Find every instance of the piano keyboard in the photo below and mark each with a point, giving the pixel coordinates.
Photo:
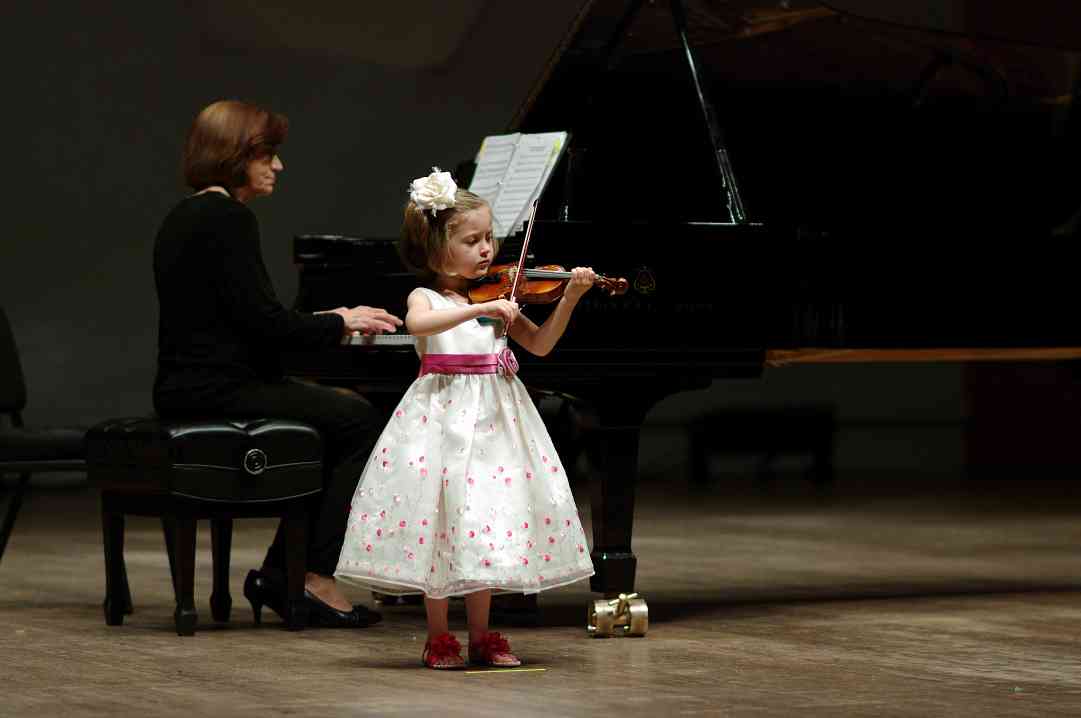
(379, 340)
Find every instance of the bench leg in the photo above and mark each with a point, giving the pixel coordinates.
(822, 466)
(221, 541)
(765, 474)
(117, 594)
(699, 459)
(14, 504)
(125, 591)
(168, 531)
(296, 559)
(185, 616)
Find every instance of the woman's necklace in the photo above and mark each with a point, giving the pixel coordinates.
(213, 188)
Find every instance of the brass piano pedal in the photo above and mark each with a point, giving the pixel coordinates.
(626, 615)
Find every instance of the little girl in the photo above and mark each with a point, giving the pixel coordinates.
(464, 492)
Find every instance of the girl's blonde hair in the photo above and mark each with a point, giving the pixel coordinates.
(425, 239)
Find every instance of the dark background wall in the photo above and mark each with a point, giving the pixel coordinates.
(99, 99)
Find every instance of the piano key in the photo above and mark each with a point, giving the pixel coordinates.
(379, 340)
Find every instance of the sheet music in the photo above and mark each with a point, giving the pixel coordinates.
(493, 159)
(511, 171)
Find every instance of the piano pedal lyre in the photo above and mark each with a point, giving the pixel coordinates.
(626, 615)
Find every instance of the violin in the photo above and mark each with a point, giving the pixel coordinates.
(541, 285)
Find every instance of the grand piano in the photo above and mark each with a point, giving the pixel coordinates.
(780, 182)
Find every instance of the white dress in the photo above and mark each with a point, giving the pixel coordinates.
(464, 490)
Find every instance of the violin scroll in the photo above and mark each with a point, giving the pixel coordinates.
(613, 285)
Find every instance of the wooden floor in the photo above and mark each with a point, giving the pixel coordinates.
(920, 600)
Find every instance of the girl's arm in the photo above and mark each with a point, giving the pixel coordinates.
(421, 320)
(541, 340)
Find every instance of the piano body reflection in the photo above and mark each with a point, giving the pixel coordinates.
(779, 182)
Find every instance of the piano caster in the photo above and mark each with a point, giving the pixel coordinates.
(627, 615)
(382, 599)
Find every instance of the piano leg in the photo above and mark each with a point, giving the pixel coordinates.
(613, 453)
(612, 447)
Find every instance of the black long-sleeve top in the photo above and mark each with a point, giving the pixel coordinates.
(220, 324)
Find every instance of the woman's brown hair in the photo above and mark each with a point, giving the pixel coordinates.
(224, 138)
(424, 240)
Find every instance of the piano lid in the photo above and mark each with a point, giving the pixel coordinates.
(1026, 50)
(853, 112)
(1044, 23)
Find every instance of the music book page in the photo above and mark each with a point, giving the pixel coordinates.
(493, 158)
(511, 171)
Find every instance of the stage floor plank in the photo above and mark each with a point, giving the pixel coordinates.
(960, 602)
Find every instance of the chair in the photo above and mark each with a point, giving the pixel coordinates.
(185, 470)
(28, 450)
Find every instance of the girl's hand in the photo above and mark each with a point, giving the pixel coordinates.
(503, 309)
(582, 278)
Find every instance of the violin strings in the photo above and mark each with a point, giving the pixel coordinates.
(550, 274)
(546, 274)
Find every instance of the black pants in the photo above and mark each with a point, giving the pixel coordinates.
(350, 426)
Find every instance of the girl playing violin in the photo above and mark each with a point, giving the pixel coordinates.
(464, 492)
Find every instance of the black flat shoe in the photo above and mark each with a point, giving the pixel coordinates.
(325, 616)
(261, 590)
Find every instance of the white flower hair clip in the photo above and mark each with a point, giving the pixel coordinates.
(434, 192)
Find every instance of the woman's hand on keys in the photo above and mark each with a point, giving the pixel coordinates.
(368, 320)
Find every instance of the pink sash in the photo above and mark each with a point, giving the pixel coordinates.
(502, 363)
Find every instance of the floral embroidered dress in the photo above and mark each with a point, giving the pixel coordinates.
(464, 490)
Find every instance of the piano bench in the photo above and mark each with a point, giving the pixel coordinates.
(807, 429)
(216, 469)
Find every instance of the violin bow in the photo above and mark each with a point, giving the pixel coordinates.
(525, 250)
(521, 258)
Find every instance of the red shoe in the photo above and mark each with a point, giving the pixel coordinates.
(443, 652)
(493, 651)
